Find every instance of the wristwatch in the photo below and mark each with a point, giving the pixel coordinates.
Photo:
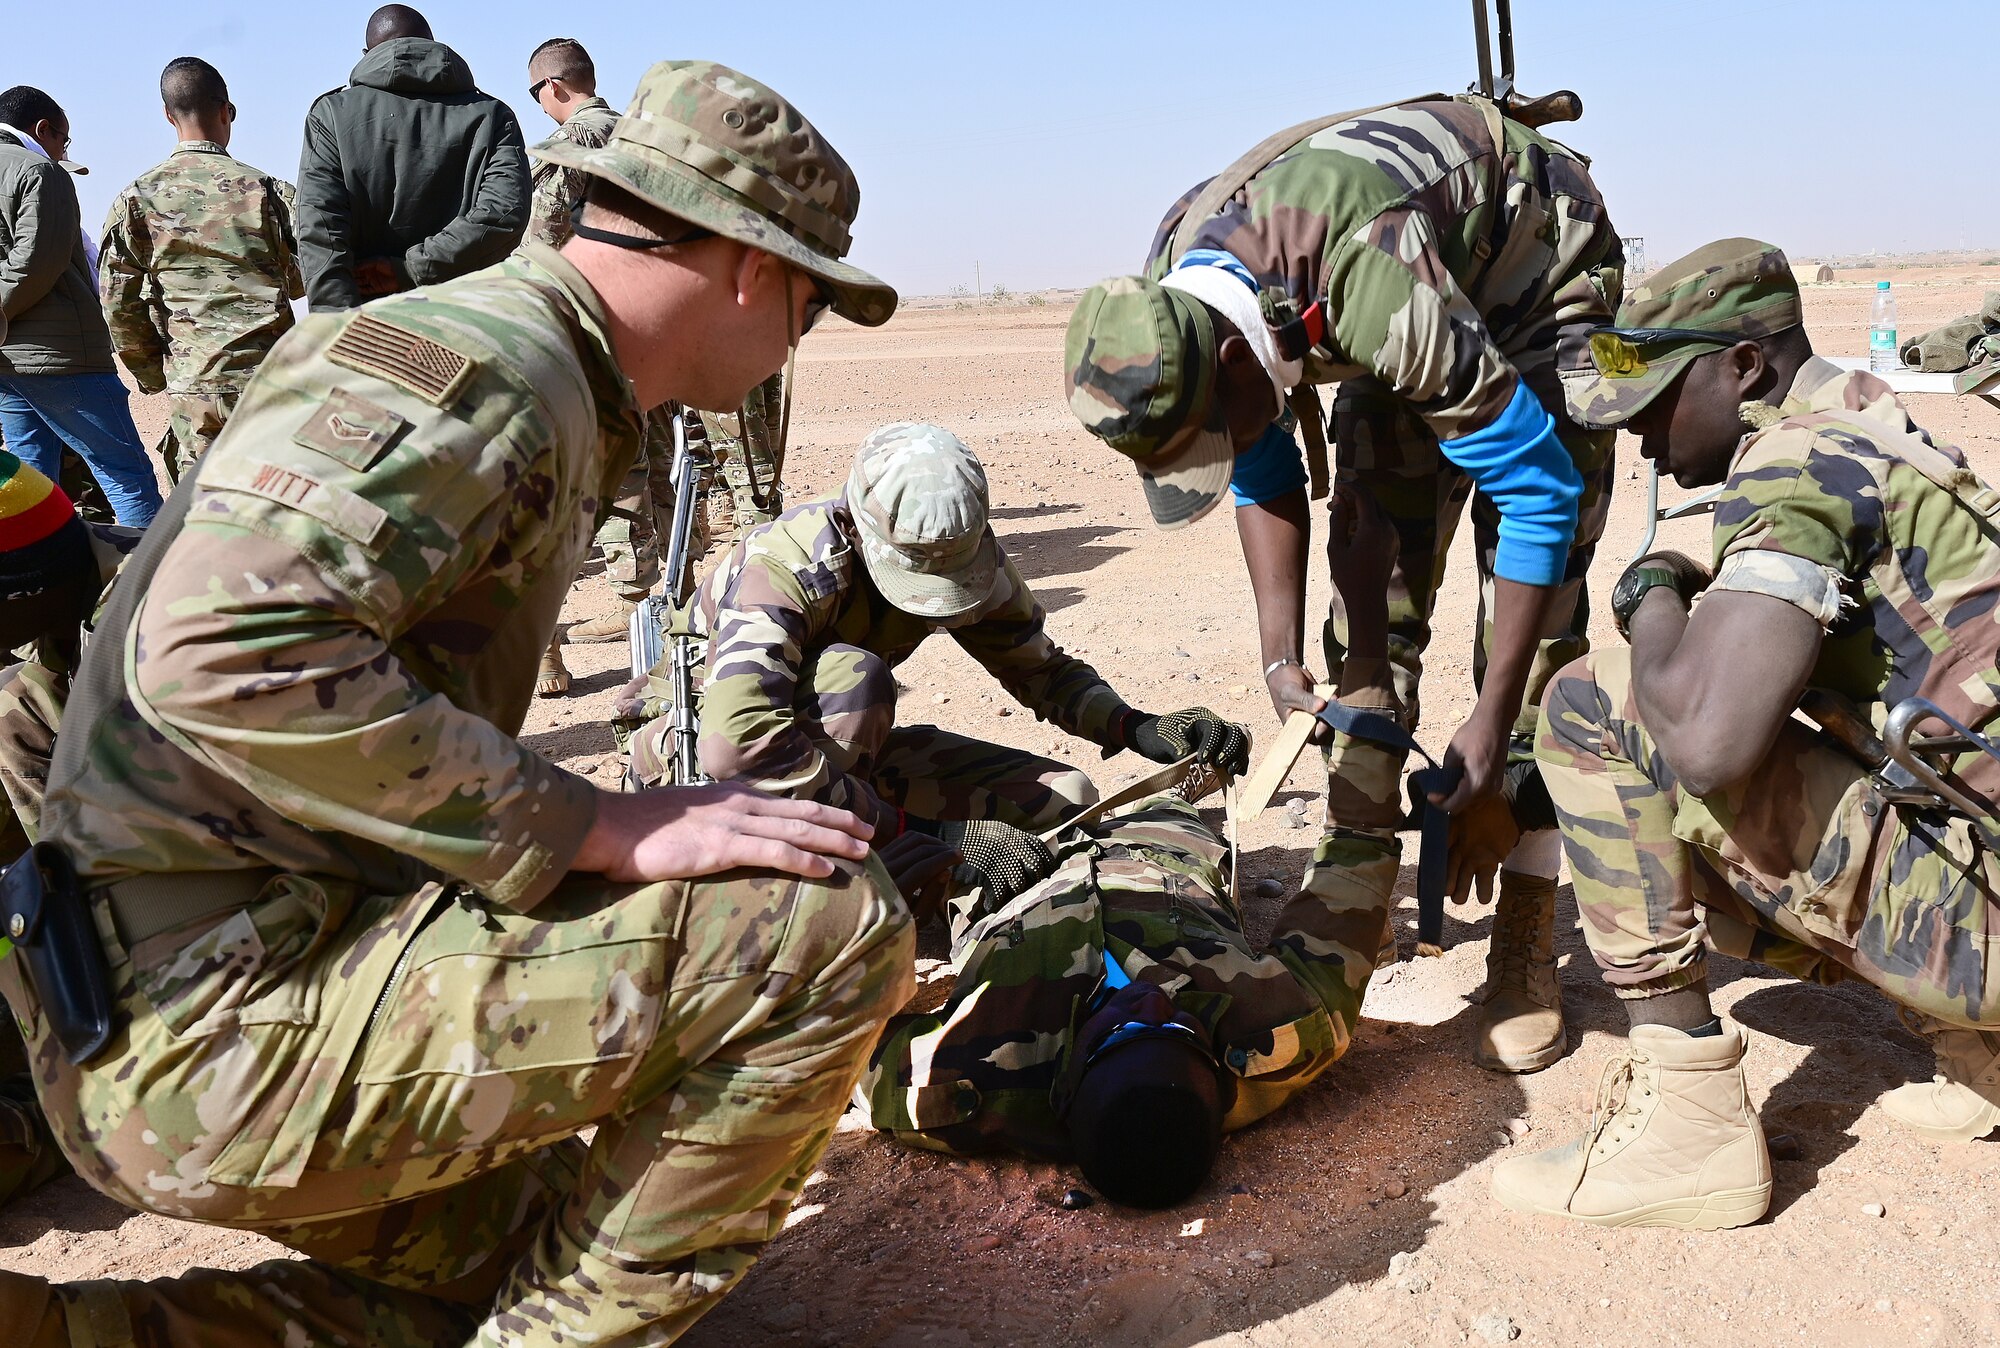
(1632, 587)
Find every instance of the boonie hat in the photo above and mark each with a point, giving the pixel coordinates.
(918, 497)
(1726, 292)
(1140, 362)
(716, 148)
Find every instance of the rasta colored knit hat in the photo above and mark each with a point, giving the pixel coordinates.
(42, 542)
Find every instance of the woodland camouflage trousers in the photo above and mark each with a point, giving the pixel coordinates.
(1802, 866)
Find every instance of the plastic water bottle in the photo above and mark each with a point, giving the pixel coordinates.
(1882, 354)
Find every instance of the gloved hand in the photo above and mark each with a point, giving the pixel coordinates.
(1197, 730)
(1483, 835)
(1006, 860)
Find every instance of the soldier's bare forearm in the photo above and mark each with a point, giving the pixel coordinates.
(1275, 535)
(1714, 687)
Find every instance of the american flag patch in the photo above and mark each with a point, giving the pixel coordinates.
(409, 360)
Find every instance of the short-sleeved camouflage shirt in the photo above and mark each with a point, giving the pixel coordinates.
(1851, 511)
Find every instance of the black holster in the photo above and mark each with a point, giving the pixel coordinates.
(45, 914)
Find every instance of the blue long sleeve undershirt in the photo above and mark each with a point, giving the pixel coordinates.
(1517, 461)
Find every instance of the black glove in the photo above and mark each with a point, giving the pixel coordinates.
(1002, 858)
(1214, 742)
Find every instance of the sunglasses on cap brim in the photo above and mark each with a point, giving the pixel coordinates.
(1619, 353)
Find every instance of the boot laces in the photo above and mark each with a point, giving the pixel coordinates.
(1512, 948)
(1622, 1099)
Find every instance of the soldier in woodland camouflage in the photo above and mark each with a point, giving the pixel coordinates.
(1853, 554)
(808, 615)
(197, 267)
(376, 962)
(563, 80)
(749, 460)
(1442, 264)
(1137, 925)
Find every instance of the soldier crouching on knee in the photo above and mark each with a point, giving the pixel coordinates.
(346, 963)
(807, 615)
(1852, 554)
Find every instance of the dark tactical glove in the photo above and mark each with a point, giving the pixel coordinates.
(998, 856)
(1215, 742)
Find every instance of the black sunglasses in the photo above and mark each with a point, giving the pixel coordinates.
(535, 89)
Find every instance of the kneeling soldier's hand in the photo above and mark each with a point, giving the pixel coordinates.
(1005, 859)
(1215, 742)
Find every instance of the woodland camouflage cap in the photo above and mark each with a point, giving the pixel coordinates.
(919, 501)
(719, 150)
(1738, 288)
(1140, 361)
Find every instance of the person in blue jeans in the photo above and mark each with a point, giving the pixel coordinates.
(58, 386)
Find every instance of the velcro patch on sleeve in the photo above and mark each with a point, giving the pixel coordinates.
(409, 360)
(350, 428)
(351, 516)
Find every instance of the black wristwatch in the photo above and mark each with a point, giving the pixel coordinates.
(1632, 587)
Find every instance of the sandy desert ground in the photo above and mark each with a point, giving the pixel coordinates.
(1360, 1214)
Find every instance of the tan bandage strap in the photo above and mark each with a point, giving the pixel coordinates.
(1808, 586)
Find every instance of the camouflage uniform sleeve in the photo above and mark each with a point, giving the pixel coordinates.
(1012, 641)
(282, 638)
(1797, 521)
(768, 613)
(1398, 313)
(283, 204)
(138, 326)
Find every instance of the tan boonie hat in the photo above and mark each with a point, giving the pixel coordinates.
(918, 497)
(1736, 289)
(719, 150)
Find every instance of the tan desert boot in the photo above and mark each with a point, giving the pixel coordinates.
(613, 626)
(1673, 1142)
(1962, 1102)
(1520, 1026)
(553, 678)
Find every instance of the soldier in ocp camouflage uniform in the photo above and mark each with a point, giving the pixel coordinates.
(375, 963)
(749, 459)
(1853, 554)
(196, 267)
(808, 615)
(1441, 262)
(563, 80)
(53, 570)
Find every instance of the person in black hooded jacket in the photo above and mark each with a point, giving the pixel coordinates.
(410, 175)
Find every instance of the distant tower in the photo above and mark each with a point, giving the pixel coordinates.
(1635, 256)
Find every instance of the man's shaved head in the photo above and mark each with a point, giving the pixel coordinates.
(190, 87)
(393, 21)
(563, 58)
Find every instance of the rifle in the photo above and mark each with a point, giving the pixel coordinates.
(1562, 106)
(649, 621)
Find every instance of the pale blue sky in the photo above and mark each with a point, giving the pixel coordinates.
(1044, 140)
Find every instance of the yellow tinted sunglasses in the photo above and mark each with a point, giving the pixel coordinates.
(1619, 353)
